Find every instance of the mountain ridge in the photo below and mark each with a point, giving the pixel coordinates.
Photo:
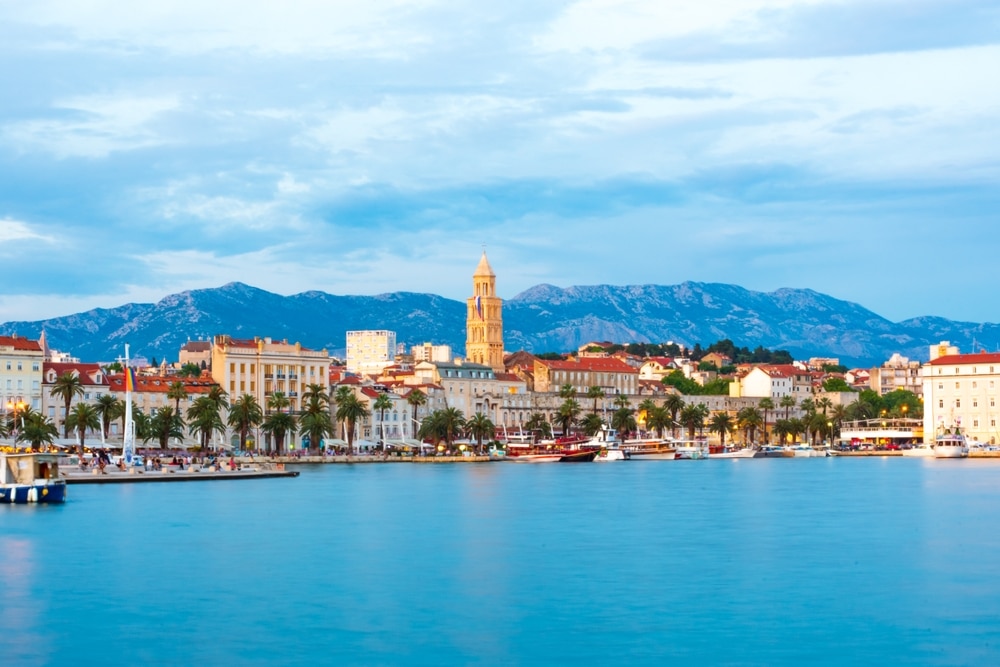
(539, 319)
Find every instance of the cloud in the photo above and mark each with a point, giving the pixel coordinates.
(15, 230)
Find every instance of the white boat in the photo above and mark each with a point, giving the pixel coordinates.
(803, 450)
(611, 454)
(950, 445)
(691, 449)
(746, 453)
(921, 450)
(772, 452)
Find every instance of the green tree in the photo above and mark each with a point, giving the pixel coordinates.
(244, 415)
(35, 429)
(684, 385)
(722, 424)
(190, 369)
(596, 393)
(674, 405)
(479, 426)
(538, 424)
(568, 413)
(782, 429)
(204, 418)
(749, 419)
(381, 404)
(416, 398)
(166, 424)
(693, 418)
(592, 424)
(67, 386)
(315, 422)
(350, 410)
(787, 402)
(623, 421)
(108, 409)
(567, 391)
(658, 419)
(83, 417)
(278, 425)
(836, 385)
(176, 393)
(444, 425)
(766, 405)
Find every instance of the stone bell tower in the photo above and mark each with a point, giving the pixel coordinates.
(484, 322)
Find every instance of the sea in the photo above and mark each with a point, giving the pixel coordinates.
(830, 561)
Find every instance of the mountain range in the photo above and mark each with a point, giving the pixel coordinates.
(543, 318)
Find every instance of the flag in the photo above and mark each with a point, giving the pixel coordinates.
(479, 306)
(129, 379)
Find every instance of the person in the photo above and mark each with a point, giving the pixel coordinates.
(232, 463)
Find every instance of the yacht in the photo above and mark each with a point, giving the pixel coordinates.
(951, 445)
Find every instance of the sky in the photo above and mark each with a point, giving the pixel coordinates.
(847, 146)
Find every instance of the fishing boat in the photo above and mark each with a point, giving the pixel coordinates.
(951, 445)
(31, 478)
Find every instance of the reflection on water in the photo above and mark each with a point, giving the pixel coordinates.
(739, 562)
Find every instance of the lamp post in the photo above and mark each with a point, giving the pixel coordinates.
(15, 407)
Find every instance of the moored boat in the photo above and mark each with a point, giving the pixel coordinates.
(746, 453)
(772, 452)
(922, 449)
(611, 454)
(951, 445)
(31, 478)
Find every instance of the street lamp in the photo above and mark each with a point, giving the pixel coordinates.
(15, 407)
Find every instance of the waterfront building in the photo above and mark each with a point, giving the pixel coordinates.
(21, 362)
(897, 373)
(370, 351)
(960, 390)
(150, 395)
(262, 366)
(484, 319)
(774, 381)
(93, 382)
(476, 388)
(612, 375)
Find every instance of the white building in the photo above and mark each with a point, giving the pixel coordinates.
(438, 354)
(960, 390)
(368, 352)
(20, 373)
(774, 382)
(897, 373)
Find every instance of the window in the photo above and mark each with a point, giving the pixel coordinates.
(19, 365)
(975, 402)
(975, 423)
(940, 385)
(941, 403)
(975, 384)
(958, 402)
(958, 385)
(34, 366)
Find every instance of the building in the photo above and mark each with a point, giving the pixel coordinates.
(261, 366)
(150, 395)
(476, 388)
(774, 382)
(93, 382)
(897, 373)
(484, 319)
(432, 353)
(369, 352)
(21, 362)
(198, 352)
(657, 368)
(612, 375)
(960, 390)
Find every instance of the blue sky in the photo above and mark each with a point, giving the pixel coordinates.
(851, 147)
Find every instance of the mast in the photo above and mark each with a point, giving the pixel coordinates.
(128, 437)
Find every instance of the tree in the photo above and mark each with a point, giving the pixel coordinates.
(567, 391)
(684, 385)
(416, 398)
(659, 420)
(166, 424)
(83, 417)
(442, 425)
(568, 412)
(277, 425)
(782, 429)
(479, 426)
(350, 410)
(176, 393)
(315, 422)
(67, 386)
(766, 405)
(245, 414)
(592, 424)
(36, 429)
(674, 405)
(787, 402)
(190, 369)
(279, 402)
(693, 418)
(382, 403)
(108, 408)
(749, 419)
(595, 393)
(142, 422)
(204, 418)
(623, 421)
(836, 385)
(722, 424)
(538, 424)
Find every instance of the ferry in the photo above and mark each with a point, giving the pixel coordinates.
(31, 478)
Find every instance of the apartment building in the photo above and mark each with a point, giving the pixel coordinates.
(21, 362)
(369, 352)
(612, 375)
(93, 381)
(897, 373)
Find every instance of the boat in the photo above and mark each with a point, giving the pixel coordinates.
(772, 452)
(920, 450)
(951, 445)
(612, 454)
(531, 455)
(745, 453)
(803, 450)
(691, 450)
(578, 456)
(650, 450)
(31, 478)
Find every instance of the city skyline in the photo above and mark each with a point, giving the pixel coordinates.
(845, 147)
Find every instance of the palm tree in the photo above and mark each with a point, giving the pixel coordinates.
(766, 404)
(83, 417)
(164, 425)
(451, 422)
(342, 393)
(823, 403)
(623, 421)
(568, 412)
(749, 419)
(278, 401)
(674, 405)
(479, 426)
(646, 407)
(796, 426)
(818, 426)
(722, 424)
(315, 422)
(220, 398)
(176, 392)
(595, 393)
(658, 419)
(244, 415)
(622, 401)
(782, 429)
(204, 419)
(430, 427)
(67, 386)
(693, 417)
(143, 424)
(567, 391)
(537, 423)
(4, 429)
(787, 402)
(382, 403)
(108, 406)
(350, 410)
(277, 425)
(592, 424)
(416, 398)
(36, 429)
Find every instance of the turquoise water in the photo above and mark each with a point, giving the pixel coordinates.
(776, 562)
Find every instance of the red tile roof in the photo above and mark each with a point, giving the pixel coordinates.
(20, 343)
(960, 359)
(600, 364)
(156, 384)
(84, 371)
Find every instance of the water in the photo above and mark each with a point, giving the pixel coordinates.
(777, 562)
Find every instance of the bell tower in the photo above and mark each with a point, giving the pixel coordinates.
(484, 322)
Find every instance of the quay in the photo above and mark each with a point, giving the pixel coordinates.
(304, 460)
(115, 476)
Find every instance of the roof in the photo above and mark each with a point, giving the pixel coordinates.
(85, 372)
(960, 359)
(20, 343)
(484, 268)
(600, 364)
(155, 384)
(507, 377)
